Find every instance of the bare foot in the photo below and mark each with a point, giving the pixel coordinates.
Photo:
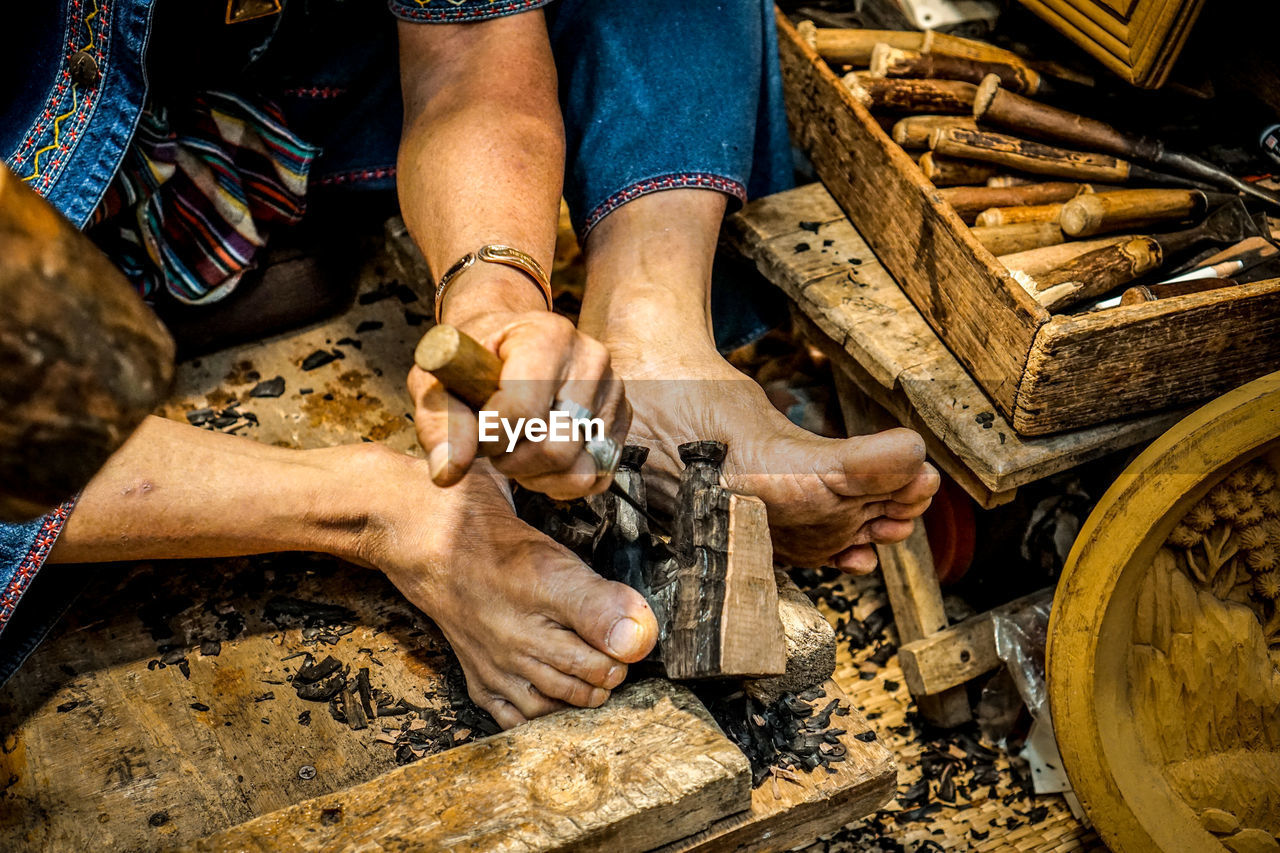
(647, 299)
(534, 629)
(829, 500)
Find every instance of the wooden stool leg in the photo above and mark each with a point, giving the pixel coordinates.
(916, 599)
(909, 576)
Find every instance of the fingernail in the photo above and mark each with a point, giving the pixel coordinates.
(624, 638)
(438, 460)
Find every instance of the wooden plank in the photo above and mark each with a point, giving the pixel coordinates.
(752, 639)
(809, 804)
(1089, 368)
(991, 320)
(954, 656)
(649, 767)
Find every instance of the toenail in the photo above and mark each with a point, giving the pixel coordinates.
(617, 672)
(438, 460)
(625, 637)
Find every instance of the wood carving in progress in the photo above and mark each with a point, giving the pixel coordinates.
(1203, 669)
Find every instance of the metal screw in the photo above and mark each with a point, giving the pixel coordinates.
(306, 771)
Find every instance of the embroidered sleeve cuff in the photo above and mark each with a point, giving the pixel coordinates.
(459, 11)
(23, 550)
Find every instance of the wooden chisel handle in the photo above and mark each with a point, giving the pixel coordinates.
(1007, 239)
(950, 97)
(970, 201)
(994, 104)
(1026, 156)
(1096, 273)
(1036, 262)
(1021, 213)
(1150, 293)
(946, 172)
(854, 46)
(466, 369)
(1127, 210)
(914, 131)
(888, 61)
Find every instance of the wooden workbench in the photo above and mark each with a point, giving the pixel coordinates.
(106, 748)
(891, 368)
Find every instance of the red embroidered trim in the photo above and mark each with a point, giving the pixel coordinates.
(34, 559)
(357, 176)
(679, 180)
(99, 42)
(400, 9)
(318, 92)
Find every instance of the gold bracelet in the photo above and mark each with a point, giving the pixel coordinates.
(495, 254)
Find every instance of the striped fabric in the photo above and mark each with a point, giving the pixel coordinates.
(197, 194)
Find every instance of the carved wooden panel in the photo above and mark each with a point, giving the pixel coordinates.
(1137, 39)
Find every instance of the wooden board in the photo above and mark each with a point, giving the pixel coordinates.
(862, 320)
(648, 767)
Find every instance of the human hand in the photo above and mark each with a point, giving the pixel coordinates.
(547, 371)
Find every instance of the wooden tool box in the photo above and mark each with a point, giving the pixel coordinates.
(1045, 373)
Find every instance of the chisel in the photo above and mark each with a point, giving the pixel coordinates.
(947, 97)
(1039, 159)
(914, 131)
(996, 105)
(970, 201)
(1099, 272)
(471, 373)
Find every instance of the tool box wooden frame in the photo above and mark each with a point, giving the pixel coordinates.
(1045, 373)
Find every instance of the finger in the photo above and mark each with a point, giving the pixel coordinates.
(582, 479)
(857, 560)
(924, 485)
(612, 407)
(446, 428)
(555, 685)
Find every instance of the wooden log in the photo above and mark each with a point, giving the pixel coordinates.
(970, 201)
(951, 657)
(946, 172)
(1129, 210)
(1013, 215)
(811, 645)
(725, 619)
(1097, 273)
(1034, 262)
(649, 767)
(914, 131)
(948, 97)
(888, 61)
(84, 360)
(1007, 239)
(1026, 156)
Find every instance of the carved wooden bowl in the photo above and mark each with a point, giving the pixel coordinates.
(1164, 645)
